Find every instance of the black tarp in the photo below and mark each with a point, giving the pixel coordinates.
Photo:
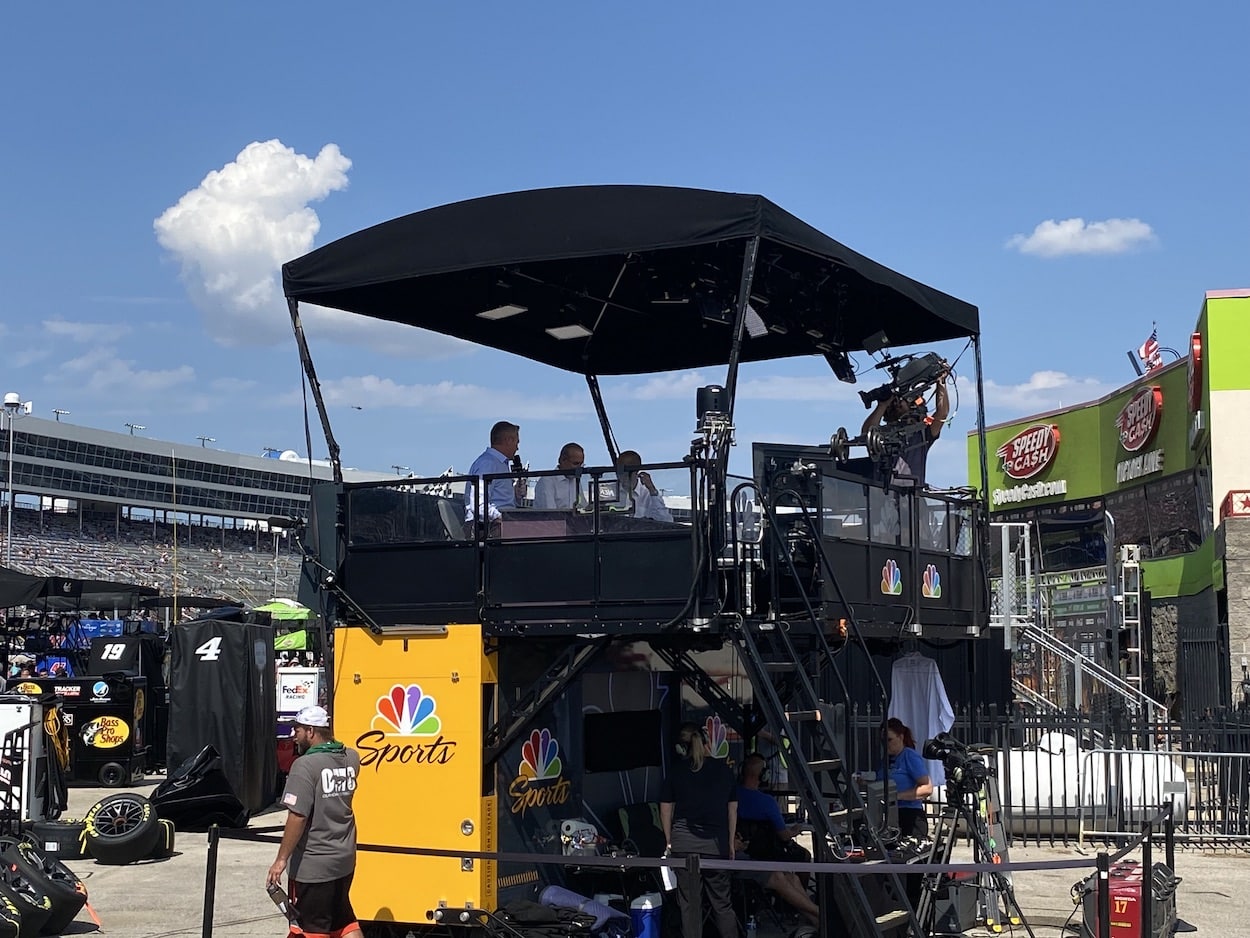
(222, 689)
(649, 273)
(67, 594)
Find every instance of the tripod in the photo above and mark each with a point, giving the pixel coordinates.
(962, 806)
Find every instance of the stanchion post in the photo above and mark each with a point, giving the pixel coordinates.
(1147, 880)
(210, 882)
(1169, 837)
(1104, 895)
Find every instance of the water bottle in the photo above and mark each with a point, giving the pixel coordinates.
(752, 931)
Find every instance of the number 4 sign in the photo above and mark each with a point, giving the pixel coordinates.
(210, 650)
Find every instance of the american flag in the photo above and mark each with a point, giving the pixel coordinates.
(1149, 352)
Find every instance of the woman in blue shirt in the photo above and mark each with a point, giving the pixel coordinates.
(910, 776)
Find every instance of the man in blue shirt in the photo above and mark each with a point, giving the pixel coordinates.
(505, 440)
(758, 810)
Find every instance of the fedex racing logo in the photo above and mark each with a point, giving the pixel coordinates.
(1139, 420)
(410, 716)
(1030, 451)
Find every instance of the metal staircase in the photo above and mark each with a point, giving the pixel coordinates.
(1087, 669)
(1020, 606)
(788, 660)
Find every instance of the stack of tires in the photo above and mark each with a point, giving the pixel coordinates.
(38, 895)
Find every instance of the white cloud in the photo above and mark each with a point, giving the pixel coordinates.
(682, 386)
(1077, 236)
(671, 386)
(784, 388)
(449, 397)
(232, 233)
(1042, 391)
(94, 333)
(101, 373)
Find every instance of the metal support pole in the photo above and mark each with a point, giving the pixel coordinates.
(1104, 896)
(1114, 609)
(8, 537)
(1169, 837)
(1147, 880)
(210, 882)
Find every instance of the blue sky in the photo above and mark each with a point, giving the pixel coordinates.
(1078, 171)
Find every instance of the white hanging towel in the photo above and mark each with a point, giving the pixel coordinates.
(918, 698)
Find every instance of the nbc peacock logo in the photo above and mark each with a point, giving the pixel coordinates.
(891, 579)
(406, 711)
(540, 756)
(407, 714)
(540, 780)
(932, 585)
(717, 738)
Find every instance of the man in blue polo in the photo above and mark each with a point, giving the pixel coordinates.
(769, 837)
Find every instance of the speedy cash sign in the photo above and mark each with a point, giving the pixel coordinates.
(1138, 422)
(1030, 451)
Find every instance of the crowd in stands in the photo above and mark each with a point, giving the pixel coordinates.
(208, 561)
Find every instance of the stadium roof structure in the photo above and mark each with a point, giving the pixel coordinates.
(602, 280)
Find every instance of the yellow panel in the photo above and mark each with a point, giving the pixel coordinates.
(411, 705)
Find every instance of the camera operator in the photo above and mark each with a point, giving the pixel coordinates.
(897, 410)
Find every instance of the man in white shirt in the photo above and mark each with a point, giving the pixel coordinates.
(637, 487)
(563, 491)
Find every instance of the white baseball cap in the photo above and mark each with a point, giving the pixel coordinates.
(310, 716)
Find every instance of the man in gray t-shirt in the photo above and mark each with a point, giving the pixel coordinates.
(319, 840)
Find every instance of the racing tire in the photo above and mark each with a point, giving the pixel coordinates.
(33, 906)
(61, 840)
(113, 775)
(121, 829)
(66, 890)
(10, 917)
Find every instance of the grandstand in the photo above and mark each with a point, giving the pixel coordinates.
(92, 504)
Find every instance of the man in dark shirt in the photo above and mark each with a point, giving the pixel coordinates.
(918, 439)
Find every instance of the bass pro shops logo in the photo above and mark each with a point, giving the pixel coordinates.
(1030, 451)
(408, 715)
(540, 780)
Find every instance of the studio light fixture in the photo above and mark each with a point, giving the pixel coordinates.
(575, 331)
(502, 312)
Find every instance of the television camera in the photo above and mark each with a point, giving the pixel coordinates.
(966, 771)
(911, 378)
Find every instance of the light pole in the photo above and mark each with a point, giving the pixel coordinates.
(275, 562)
(205, 440)
(12, 404)
(135, 426)
(59, 413)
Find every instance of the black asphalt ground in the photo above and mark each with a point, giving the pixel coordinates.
(164, 899)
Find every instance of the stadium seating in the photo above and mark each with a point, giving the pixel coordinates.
(208, 561)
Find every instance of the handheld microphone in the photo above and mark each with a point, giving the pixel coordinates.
(516, 463)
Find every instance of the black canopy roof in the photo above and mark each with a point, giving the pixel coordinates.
(646, 276)
(66, 594)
